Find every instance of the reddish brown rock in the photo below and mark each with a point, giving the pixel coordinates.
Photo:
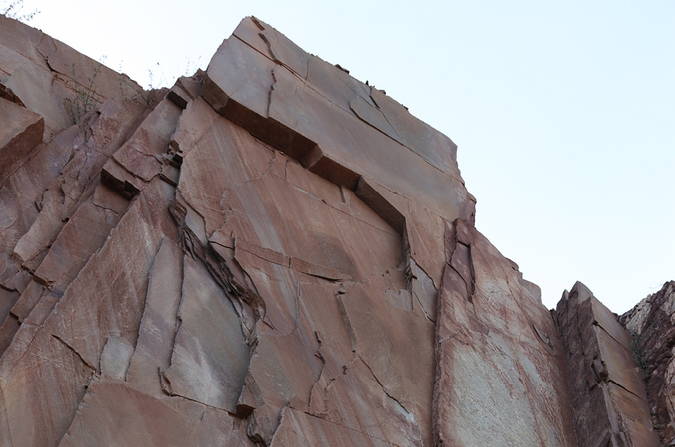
(21, 132)
(607, 393)
(651, 323)
(53, 80)
(270, 252)
(499, 359)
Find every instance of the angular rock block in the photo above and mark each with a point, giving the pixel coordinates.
(21, 132)
(55, 81)
(608, 393)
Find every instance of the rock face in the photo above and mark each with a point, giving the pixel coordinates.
(270, 253)
(652, 325)
(608, 395)
(499, 359)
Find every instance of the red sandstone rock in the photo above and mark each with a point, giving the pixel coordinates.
(21, 131)
(499, 359)
(269, 253)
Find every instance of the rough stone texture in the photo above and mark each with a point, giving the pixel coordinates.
(21, 131)
(499, 360)
(270, 252)
(608, 395)
(652, 325)
(53, 80)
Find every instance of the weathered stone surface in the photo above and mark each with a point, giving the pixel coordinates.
(607, 393)
(55, 81)
(143, 420)
(21, 131)
(496, 348)
(309, 118)
(271, 252)
(652, 325)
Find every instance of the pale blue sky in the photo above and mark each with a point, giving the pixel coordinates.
(563, 111)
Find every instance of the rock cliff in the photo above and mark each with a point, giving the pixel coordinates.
(271, 252)
(652, 326)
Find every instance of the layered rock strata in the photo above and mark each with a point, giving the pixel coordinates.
(268, 253)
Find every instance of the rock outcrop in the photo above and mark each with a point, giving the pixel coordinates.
(271, 252)
(499, 360)
(608, 395)
(652, 325)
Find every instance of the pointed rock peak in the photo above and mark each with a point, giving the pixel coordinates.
(580, 290)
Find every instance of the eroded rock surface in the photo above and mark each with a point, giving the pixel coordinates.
(499, 359)
(651, 323)
(608, 395)
(270, 252)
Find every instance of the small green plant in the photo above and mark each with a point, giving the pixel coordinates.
(84, 99)
(191, 66)
(154, 82)
(14, 9)
(638, 355)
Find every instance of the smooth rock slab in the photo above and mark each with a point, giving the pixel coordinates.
(210, 357)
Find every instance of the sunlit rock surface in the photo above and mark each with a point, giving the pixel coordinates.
(273, 253)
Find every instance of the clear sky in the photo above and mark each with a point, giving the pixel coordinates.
(563, 111)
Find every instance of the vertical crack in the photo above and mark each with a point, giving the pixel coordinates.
(269, 93)
(239, 295)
